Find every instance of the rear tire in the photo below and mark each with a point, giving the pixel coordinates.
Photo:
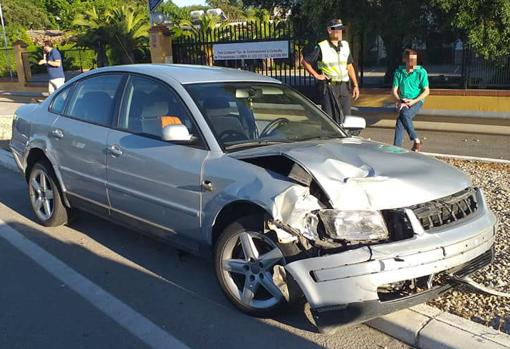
(244, 259)
(45, 196)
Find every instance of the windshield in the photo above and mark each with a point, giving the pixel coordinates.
(254, 114)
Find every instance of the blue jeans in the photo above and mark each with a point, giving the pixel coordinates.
(405, 121)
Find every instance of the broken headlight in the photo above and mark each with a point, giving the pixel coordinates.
(354, 225)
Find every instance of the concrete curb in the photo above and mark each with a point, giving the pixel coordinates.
(438, 112)
(465, 157)
(24, 94)
(5, 127)
(426, 327)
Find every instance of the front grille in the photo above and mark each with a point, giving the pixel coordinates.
(440, 212)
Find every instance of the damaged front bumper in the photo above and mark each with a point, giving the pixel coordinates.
(343, 288)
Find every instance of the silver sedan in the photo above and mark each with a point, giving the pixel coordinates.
(244, 169)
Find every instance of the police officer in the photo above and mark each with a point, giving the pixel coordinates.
(331, 64)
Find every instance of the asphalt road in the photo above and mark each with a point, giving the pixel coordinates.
(93, 284)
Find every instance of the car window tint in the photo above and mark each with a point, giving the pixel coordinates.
(93, 99)
(240, 113)
(59, 101)
(149, 105)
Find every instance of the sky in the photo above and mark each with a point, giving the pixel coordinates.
(181, 3)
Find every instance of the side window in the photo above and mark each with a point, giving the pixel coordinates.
(93, 99)
(149, 105)
(59, 101)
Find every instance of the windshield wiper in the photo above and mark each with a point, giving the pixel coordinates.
(322, 137)
(253, 144)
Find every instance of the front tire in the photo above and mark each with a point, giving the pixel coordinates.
(45, 197)
(244, 259)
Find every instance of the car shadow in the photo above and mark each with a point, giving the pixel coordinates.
(163, 267)
(177, 293)
(157, 257)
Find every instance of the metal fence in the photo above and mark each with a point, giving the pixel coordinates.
(197, 48)
(448, 66)
(480, 73)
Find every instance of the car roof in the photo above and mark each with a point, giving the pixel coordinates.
(189, 74)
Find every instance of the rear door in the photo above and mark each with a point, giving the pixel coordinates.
(79, 137)
(150, 180)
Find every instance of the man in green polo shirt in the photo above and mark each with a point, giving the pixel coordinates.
(410, 88)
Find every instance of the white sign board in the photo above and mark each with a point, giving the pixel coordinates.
(251, 50)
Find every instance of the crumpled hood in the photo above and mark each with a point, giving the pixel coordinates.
(358, 174)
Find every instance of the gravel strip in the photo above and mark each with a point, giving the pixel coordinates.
(491, 311)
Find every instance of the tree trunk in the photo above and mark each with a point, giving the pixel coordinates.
(393, 48)
(101, 58)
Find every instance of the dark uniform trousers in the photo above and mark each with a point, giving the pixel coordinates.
(335, 99)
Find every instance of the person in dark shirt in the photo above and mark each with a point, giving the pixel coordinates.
(331, 64)
(53, 61)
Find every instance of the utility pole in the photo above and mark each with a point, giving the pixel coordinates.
(151, 5)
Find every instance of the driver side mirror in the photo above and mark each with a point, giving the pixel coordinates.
(176, 133)
(354, 123)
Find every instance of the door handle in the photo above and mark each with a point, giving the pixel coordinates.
(115, 150)
(57, 133)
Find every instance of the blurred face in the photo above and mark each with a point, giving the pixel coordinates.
(46, 48)
(411, 61)
(335, 34)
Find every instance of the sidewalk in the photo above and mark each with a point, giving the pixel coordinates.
(475, 111)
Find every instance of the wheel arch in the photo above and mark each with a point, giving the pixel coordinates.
(231, 212)
(37, 154)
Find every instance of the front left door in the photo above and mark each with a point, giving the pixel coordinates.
(149, 180)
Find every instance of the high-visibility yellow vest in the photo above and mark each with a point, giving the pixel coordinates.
(334, 64)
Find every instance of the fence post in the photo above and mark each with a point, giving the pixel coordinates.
(160, 44)
(22, 66)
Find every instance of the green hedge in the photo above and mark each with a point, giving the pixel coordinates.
(76, 59)
(5, 64)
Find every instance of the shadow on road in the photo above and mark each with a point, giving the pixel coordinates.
(177, 292)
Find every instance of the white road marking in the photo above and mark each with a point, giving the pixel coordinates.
(124, 315)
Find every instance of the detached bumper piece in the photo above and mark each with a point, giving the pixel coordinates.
(329, 319)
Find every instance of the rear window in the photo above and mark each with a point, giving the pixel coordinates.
(93, 99)
(59, 101)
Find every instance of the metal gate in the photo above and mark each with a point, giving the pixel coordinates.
(196, 47)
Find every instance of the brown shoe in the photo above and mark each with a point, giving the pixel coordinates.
(417, 146)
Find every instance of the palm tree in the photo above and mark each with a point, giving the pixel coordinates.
(258, 15)
(129, 31)
(263, 28)
(209, 28)
(94, 34)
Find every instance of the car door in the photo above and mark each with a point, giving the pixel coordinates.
(149, 180)
(79, 138)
